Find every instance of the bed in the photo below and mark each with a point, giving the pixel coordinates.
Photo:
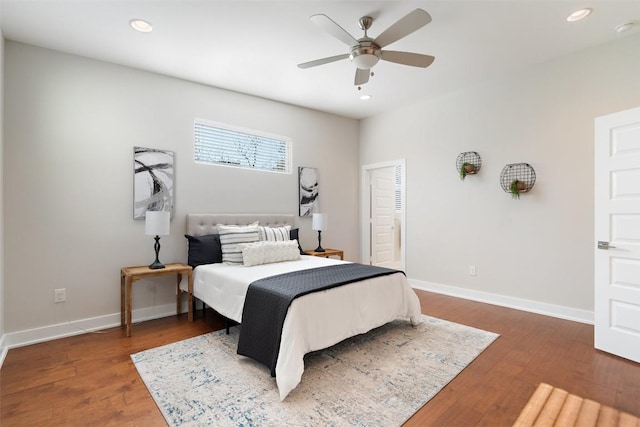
(314, 321)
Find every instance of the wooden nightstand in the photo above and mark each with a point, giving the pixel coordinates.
(128, 275)
(327, 253)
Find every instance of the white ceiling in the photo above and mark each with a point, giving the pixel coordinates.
(254, 46)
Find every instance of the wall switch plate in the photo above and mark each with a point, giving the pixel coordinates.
(59, 295)
(472, 270)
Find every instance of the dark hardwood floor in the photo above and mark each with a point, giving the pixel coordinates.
(90, 380)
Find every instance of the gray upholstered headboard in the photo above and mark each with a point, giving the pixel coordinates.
(203, 224)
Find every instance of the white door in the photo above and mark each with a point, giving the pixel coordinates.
(617, 234)
(383, 190)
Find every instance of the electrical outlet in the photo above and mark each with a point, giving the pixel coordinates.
(472, 270)
(59, 295)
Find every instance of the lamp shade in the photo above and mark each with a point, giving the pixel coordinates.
(319, 222)
(156, 223)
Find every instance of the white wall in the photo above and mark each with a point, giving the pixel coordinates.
(71, 125)
(538, 248)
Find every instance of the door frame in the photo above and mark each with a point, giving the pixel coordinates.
(365, 200)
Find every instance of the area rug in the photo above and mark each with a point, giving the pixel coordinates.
(550, 406)
(380, 378)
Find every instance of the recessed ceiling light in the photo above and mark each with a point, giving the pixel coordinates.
(365, 97)
(141, 25)
(579, 14)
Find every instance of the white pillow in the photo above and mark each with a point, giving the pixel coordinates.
(274, 233)
(252, 253)
(268, 252)
(233, 235)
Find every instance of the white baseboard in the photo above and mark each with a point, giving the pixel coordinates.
(3, 349)
(77, 327)
(562, 312)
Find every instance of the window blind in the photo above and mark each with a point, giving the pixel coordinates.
(218, 144)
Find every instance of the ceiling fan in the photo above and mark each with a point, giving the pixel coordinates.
(365, 52)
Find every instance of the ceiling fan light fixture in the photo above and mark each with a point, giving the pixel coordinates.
(365, 97)
(579, 14)
(366, 55)
(365, 61)
(141, 25)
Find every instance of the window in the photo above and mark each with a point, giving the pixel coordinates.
(224, 145)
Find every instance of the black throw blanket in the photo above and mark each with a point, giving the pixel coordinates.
(268, 300)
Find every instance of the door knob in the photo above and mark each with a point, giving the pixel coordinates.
(604, 245)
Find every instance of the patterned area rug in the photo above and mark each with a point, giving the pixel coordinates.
(380, 378)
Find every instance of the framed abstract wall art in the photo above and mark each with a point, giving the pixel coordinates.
(308, 191)
(152, 181)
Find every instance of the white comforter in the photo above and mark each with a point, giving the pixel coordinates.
(314, 321)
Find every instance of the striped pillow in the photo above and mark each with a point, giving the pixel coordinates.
(274, 234)
(233, 235)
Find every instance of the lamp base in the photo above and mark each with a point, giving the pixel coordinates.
(156, 265)
(319, 248)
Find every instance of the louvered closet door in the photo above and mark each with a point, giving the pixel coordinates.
(382, 216)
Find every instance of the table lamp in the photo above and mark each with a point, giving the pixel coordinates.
(319, 223)
(156, 223)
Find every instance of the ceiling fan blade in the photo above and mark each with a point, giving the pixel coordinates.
(362, 76)
(329, 25)
(407, 58)
(322, 61)
(405, 26)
